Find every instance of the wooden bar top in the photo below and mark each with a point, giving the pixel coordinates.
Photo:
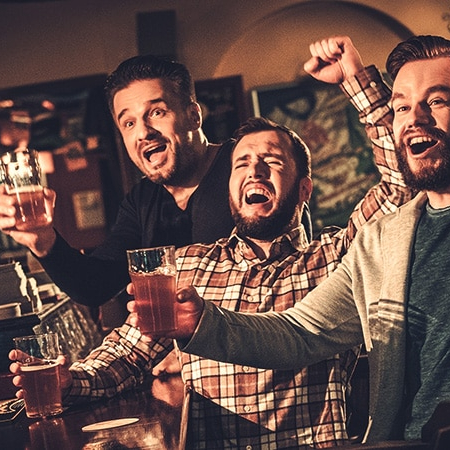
(150, 417)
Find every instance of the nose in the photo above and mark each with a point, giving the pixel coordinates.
(259, 169)
(418, 115)
(145, 130)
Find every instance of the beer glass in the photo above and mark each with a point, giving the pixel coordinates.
(153, 274)
(21, 175)
(40, 373)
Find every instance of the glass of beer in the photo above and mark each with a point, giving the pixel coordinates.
(22, 178)
(153, 274)
(40, 374)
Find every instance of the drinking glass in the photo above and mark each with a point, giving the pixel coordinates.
(40, 373)
(21, 174)
(153, 274)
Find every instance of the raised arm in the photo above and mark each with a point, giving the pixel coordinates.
(336, 60)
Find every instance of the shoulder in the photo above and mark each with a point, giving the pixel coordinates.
(144, 188)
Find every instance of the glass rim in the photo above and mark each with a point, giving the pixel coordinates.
(146, 249)
(29, 337)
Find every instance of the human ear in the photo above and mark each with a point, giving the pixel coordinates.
(195, 115)
(305, 189)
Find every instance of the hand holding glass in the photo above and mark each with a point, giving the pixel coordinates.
(40, 372)
(22, 178)
(153, 274)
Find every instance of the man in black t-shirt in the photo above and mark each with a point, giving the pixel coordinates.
(182, 198)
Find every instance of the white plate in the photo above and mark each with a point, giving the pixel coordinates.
(110, 424)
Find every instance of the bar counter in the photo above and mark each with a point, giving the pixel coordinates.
(154, 413)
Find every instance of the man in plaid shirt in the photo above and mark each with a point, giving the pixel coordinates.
(264, 265)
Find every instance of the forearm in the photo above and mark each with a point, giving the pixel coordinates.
(370, 95)
(121, 362)
(87, 280)
(305, 334)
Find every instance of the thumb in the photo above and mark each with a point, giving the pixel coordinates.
(311, 65)
(186, 293)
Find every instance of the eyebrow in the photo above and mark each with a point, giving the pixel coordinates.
(437, 88)
(150, 102)
(280, 155)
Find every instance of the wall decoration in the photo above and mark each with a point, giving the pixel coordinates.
(342, 162)
(223, 106)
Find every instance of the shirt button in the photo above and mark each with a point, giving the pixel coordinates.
(373, 84)
(247, 408)
(245, 368)
(248, 447)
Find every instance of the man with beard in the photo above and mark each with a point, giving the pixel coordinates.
(391, 292)
(182, 197)
(266, 264)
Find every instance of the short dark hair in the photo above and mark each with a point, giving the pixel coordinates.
(301, 152)
(416, 48)
(147, 67)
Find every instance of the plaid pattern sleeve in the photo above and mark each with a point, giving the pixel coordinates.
(121, 362)
(371, 97)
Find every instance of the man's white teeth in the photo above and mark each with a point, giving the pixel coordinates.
(421, 143)
(257, 195)
(420, 140)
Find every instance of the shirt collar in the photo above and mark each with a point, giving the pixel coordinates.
(293, 240)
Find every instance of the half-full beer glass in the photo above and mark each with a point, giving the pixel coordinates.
(40, 371)
(153, 274)
(21, 175)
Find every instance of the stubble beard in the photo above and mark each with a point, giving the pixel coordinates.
(185, 164)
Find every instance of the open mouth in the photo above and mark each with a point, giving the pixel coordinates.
(148, 153)
(421, 144)
(257, 195)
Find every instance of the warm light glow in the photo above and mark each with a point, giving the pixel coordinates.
(45, 159)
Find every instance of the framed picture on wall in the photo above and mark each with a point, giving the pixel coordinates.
(223, 106)
(342, 162)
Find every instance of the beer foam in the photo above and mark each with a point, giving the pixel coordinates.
(35, 367)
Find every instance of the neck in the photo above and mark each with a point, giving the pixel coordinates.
(262, 247)
(438, 200)
(205, 156)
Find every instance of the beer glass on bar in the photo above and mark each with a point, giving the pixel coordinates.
(153, 274)
(40, 373)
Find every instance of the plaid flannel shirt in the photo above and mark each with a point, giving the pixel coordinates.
(243, 407)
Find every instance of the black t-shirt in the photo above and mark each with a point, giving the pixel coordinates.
(148, 217)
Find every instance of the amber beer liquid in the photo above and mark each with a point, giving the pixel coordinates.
(154, 294)
(42, 389)
(30, 207)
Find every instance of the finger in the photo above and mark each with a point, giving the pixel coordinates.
(17, 381)
(331, 49)
(12, 355)
(311, 65)
(14, 368)
(133, 320)
(321, 50)
(130, 289)
(19, 393)
(186, 293)
(131, 306)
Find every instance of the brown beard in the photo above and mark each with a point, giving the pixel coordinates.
(427, 178)
(268, 228)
